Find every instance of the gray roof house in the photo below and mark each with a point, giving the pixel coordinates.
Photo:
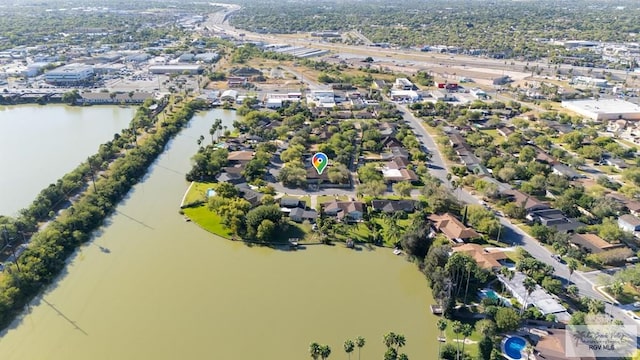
(300, 215)
(392, 206)
(546, 303)
(566, 171)
(629, 223)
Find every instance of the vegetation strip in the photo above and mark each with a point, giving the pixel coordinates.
(120, 169)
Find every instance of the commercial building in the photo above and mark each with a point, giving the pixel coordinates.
(176, 69)
(72, 74)
(403, 84)
(589, 81)
(609, 109)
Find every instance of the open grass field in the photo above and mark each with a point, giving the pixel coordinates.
(197, 192)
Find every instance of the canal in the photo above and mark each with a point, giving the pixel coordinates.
(152, 286)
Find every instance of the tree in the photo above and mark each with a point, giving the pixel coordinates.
(314, 350)
(349, 347)
(486, 327)
(226, 190)
(391, 354)
(457, 329)
(325, 351)
(442, 326)
(573, 290)
(530, 286)
(485, 347)
(266, 230)
(338, 174)
(403, 188)
(360, 342)
(507, 319)
(572, 265)
(403, 356)
(466, 331)
(616, 288)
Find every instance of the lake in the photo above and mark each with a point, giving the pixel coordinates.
(152, 286)
(39, 144)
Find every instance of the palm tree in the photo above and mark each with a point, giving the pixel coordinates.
(389, 339)
(325, 351)
(211, 132)
(360, 341)
(391, 354)
(348, 347)
(466, 332)
(400, 341)
(530, 286)
(457, 329)
(442, 325)
(573, 266)
(314, 350)
(468, 265)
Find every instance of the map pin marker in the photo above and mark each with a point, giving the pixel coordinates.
(319, 161)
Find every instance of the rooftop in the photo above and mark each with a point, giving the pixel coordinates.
(604, 106)
(486, 258)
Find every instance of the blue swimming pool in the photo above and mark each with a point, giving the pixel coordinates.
(513, 346)
(491, 294)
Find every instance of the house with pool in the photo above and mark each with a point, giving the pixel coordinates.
(545, 302)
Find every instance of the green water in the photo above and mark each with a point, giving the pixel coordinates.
(152, 286)
(39, 144)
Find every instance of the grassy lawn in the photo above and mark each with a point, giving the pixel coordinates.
(211, 222)
(198, 191)
(629, 295)
(208, 220)
(472, 349)
(497, 138)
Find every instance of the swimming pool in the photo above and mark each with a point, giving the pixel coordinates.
(512, 347)
(491, 294)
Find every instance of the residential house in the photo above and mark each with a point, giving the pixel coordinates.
(229, 95)
(593, 243)
(317, 179)
(528, 202)
(390, 142)
(555, 219)
(632, 205)
(292, 203)
(505, 131)
(349, 210)
(554, 346)
(232, 175)
(393, 206)
(486, 259)
(546, 303)
(236, 81)
(387, 129)
(463, 150)
(396, 175)
(629, 223)
(299, 215)
(240, 157)
(252, 196)
(453, 228)
(619, 164)
(378, 84)
(566, 171)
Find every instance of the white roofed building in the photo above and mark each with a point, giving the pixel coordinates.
(609, 109)
(72, 74)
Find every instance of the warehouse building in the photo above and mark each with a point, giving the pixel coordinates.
(72, 74)
(601, 110)
(176, 69)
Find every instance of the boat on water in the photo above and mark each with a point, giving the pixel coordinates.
(397, 252)
(187, 219)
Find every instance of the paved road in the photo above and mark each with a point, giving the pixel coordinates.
(513, 235)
